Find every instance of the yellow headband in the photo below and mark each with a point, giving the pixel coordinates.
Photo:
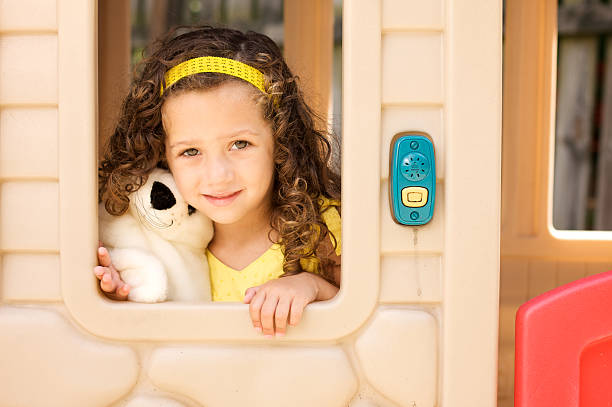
(214, 64)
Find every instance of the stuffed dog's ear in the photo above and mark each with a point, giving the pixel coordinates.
(161, 197)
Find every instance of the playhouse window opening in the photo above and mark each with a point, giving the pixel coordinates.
(582, 187)
(125, 29)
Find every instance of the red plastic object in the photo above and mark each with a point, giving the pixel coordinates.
(564, 346)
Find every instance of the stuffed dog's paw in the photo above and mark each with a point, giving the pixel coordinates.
(143, 272)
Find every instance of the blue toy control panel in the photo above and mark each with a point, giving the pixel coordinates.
(412, 178)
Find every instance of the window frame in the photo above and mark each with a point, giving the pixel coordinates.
(78, 229)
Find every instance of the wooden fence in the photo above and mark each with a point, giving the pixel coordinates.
(582, 198)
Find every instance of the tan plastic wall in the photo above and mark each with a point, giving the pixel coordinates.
(415, 323)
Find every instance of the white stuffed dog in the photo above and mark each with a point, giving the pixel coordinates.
(158, 245)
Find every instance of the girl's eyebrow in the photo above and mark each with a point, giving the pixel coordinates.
(183, 142)
(244, 131)
(236, 133)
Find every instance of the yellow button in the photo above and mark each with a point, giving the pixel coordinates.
(414, 197)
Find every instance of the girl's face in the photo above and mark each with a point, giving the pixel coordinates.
(220, 150)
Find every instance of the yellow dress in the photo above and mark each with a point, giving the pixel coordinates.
(228, 284)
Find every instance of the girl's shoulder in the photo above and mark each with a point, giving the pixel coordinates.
(329, 208)
(330, 214)
(330, 248)
(325, 203)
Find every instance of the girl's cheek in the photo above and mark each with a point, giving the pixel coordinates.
(188, 180)
(189, 193)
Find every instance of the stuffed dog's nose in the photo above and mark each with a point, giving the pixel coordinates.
(161, 197)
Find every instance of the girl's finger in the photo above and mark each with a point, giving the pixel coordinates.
(281, 314)
(107, 284)
(268, 310)
(249, 294)
(99, 271)
(123, 291)
(104, 257)
(255, 309)
(297, 309)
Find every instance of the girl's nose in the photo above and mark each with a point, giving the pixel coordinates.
(218, 169)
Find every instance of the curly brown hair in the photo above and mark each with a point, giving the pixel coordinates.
(302, 151)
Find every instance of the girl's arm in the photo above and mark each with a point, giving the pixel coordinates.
(326, 290)
(273, 303)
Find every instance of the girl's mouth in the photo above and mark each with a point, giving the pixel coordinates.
(222, 200)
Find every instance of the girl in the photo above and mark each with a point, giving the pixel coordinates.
(221, 110)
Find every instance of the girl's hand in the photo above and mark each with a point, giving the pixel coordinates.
(273, 303)
(110, 281)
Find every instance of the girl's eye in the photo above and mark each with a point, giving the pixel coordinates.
(190, 152)
(240, 144)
